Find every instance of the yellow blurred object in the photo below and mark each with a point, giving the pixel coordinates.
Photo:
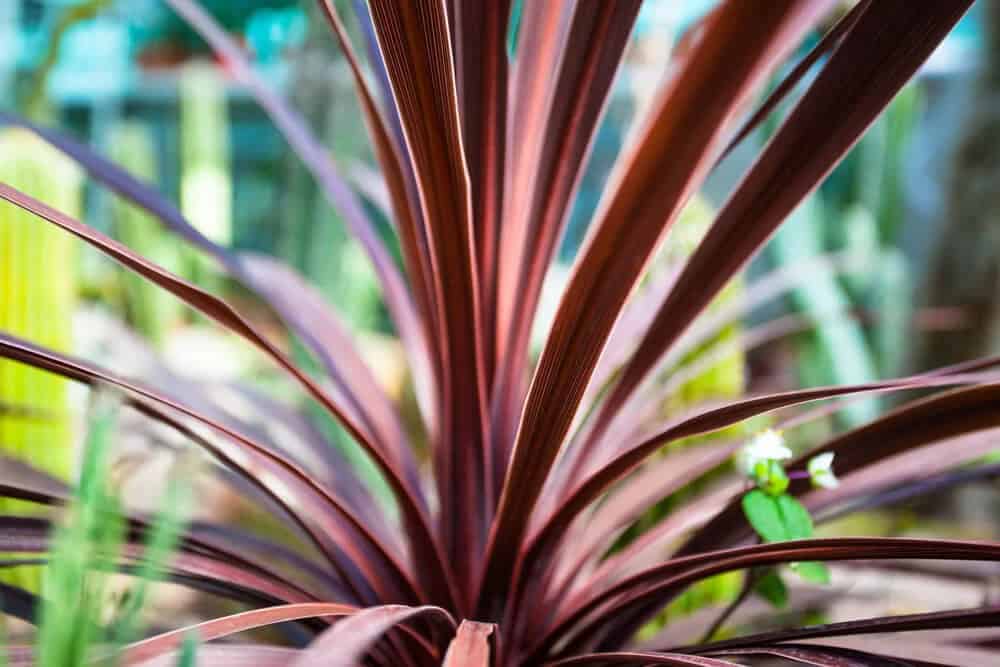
(37, 300)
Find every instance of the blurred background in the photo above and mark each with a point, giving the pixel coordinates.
(892, 266)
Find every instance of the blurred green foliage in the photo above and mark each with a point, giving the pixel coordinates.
(725, 378)
(860, 210)
(206, 174)
(150, 310)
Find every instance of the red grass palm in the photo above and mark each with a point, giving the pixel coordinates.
(482, 156)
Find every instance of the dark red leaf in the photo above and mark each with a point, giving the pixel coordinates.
(885, 45)
(347, 642)
(830, 41)
(31, 535)
(553, 144)
(927, 421)
(823, 656)
(642, 658)
(402, 187)
(233, 655)
(983, 617)
(251, 270)
(23, 482)
(479, 31)
(650, 590)
(416, 519)
(416, 48)
(536, 555)
(19, 603)
(317, 159)
(308, 313)
(473, 645)
(659, 173)
(229, 625)
(257, 464)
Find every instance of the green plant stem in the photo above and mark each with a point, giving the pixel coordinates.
(749, 581)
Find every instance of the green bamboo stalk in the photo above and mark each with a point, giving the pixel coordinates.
(37, 300)
(206, 181)
(151, 311)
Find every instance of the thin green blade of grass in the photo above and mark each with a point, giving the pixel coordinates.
(189, 651)
(86, 548)
(161, 543)
(73, 592)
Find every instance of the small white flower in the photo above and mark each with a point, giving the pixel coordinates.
(766, 446)
(821, 471)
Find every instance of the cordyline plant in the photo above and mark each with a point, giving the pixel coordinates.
(499, 553)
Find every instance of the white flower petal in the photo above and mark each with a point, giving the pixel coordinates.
(826, 480)
(821, 471)
(821, 462)
(766, 446)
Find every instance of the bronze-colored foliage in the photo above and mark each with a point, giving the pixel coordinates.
(500, 552)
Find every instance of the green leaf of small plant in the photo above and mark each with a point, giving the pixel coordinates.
(777, 519)
(795, 517)
(771, 587)
(813, 572)
(764, 514)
